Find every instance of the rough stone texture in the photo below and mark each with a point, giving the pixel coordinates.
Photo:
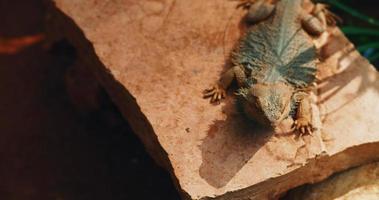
(154, 58)
(355, 184)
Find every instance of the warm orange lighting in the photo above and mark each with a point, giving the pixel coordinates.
(14, 45)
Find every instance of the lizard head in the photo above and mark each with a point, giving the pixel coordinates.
(267, 103)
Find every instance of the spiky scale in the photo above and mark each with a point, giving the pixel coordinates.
(278, 49)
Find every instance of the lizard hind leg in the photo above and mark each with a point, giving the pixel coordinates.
(312, 25)
(316, 22)
(258, 10)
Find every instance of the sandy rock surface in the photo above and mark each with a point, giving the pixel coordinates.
(154, 58)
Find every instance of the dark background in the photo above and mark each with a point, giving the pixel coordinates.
(50, 151)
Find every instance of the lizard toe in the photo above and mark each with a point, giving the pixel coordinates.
(302, 126)
(208, 94)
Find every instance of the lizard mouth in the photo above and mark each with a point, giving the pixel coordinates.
(253, 111)
(284, 114)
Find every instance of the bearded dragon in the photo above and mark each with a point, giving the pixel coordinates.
(275, 62)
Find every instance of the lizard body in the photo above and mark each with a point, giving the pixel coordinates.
(275, 62)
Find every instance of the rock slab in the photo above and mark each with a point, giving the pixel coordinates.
(154, 58)
(354, 184)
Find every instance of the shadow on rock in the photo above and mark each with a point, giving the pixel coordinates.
(347, 71)
(229, 145)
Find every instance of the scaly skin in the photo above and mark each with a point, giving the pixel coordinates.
(275, 62)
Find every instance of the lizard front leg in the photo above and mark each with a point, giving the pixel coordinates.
(303, 118)
(218, 91)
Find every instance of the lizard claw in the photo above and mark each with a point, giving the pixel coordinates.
(303, 126)
(245, 4)
(215, 93)
(331, 18)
